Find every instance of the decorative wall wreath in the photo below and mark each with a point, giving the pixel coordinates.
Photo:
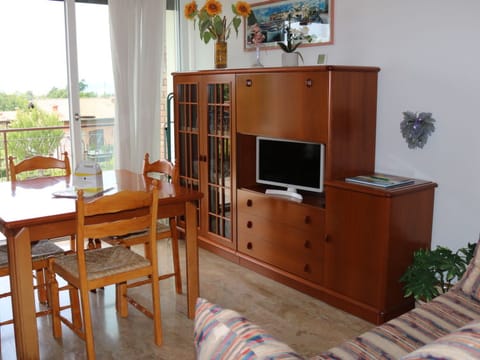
(416, 128)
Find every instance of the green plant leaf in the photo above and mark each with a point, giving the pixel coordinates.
(434, 271)
(283, 47)
(236, 21)
(218, 25)
(299, 55)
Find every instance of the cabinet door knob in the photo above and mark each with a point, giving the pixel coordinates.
(307, 269)
(249, 224)
(249, 202)
(307, 219)
(326, 238)
(248, 82)
(249, 246)
(307, 244)
(309, 83)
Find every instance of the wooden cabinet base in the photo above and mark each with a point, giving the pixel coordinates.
(337, 300)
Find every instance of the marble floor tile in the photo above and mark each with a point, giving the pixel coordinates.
(306, 324)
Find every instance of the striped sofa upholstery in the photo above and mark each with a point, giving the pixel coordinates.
(451, 319)
(224, 334)
(410, 331)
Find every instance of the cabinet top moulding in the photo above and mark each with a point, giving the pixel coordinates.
(319, 68)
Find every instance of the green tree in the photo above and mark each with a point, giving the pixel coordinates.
(23, 144)
(56, 93)
(11, 102)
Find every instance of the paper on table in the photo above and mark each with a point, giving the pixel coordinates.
(72, 193)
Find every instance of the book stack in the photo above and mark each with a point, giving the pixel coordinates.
(380, 180)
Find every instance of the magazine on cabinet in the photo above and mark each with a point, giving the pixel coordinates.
(380, 180)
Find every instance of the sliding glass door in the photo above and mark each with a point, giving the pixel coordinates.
(91, 90)
(55, 70)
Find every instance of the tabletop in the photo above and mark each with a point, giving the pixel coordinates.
(23, 205)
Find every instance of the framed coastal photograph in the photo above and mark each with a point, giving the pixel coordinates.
(310, 21)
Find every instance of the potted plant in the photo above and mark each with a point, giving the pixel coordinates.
(294, 38)
(213, 25)
(433, 272)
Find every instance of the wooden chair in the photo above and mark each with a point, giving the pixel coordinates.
(35, 167)
(41, 250)
(38, 163)
(110, 215)
(166, 171)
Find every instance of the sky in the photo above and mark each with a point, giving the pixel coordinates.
(32, 46)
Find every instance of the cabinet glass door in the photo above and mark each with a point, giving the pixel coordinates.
(188, 135)
(219, 159)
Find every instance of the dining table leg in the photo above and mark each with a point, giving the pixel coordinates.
(191, 244)
(23, 302)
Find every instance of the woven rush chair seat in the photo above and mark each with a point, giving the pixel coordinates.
(3, 256)
(41, 251)
(103, 262)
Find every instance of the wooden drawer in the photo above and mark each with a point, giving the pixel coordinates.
(295, 251)
(301, 216)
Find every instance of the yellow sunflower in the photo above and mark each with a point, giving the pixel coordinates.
(213, 7)
(211, 24)
(190, 10)
(242, 8)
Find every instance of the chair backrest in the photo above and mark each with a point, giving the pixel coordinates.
(36, 163)
(164, 168)
(118, 214)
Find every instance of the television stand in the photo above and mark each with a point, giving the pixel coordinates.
(289, 193)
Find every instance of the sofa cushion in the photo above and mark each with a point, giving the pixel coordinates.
(462, 344)
(225, 334)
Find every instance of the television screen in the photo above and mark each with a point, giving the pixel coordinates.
(293, 164)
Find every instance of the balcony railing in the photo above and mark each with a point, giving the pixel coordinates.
(96, 145)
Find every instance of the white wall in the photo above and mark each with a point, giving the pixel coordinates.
(429, 55)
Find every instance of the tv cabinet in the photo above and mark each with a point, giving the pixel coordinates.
(347, 246)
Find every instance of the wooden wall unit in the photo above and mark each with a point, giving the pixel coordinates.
(347, 246)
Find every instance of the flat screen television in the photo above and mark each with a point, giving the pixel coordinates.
(296, 165)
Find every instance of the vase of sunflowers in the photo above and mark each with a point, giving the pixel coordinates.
(213, 26)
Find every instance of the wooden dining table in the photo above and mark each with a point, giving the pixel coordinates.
(29, 212)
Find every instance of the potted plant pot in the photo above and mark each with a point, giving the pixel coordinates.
(290, 59)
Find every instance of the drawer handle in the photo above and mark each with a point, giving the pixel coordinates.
(249, 246)
(308, 220)
(307, 269)
(248, 83)
(308, 83)
(307, 244)
(249, 224)
(249, 202)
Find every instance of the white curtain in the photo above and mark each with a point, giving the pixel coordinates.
(137, 42)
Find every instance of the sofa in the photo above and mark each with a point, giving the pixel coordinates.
(448, 327)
